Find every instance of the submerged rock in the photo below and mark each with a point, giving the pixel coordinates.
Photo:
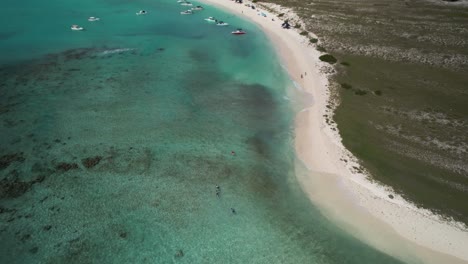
(64, 166)
(91, 161)
(179, 253)
(34, 250)
(123, 234)
(13, 188)
(6, 160)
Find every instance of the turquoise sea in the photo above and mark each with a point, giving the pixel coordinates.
(113, 140)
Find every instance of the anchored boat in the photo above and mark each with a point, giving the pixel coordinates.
(187, 12)
(76, 28)
(239, 31)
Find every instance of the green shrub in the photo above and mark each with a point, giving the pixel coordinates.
(281, 15)
(321, 49)
(328, 58)
(304, 33)
(346, 86)
(297, 26)
(360, 92)
(378, 92)
(313, 40)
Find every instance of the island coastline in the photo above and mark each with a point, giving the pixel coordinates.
(371, 212)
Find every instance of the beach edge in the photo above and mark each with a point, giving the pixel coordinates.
(409, 231)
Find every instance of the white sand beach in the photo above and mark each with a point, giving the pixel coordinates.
(345, 196)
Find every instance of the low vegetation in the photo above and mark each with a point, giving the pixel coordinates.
(313, 40)
(345, 63)
(360, 92)
(304, 33)
(346, 86)
(328, 58)
(321, 48)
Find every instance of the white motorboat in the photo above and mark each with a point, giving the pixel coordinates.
(221, 23)
(92, 19)
(186, 4)
(141, 12)
(76, 28)
(239, 31)
(187, 12)
(180, 1)
(197, 8)
(210, 19)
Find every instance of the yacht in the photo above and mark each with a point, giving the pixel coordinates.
(92, 19)
(197, 8)
(210, 19)
(239, 31)
(76, 28)
(187, 12)
(141, 12)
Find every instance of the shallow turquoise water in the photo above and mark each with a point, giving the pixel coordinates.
(113, 140)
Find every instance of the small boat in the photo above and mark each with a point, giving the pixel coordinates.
(76, 28)
(186, 4)
(141, 12)
(187, 12)
(221, 23)
(197, 8)
(239, 31)
(210, 19)
(92, 19)
(180, 1)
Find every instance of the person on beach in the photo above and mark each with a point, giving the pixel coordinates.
(301, 76)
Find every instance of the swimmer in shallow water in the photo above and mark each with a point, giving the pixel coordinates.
(233, 211)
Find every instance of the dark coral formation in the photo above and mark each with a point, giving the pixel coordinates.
(91, 162)
(6, 160)
(64, 166)
(13, 187)
(123, 234)
(34, 250)
(179, 253)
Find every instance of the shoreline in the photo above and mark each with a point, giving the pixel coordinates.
(346, 197)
